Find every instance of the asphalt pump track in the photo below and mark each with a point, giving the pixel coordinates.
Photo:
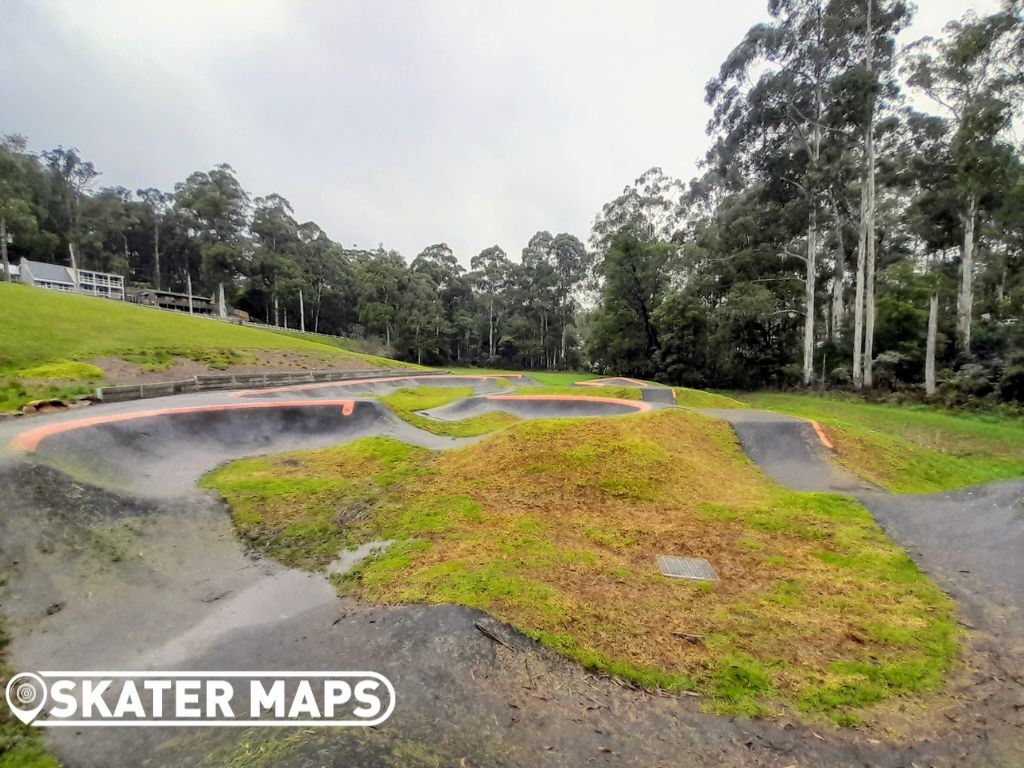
(113, 559)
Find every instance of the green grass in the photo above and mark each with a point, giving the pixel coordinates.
(911, 449)
(817, 613)
(50, 336)
(21, 746)
(549, 378)
(304, 508)
(698, 398)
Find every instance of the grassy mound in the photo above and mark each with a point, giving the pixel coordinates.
(49, 337)
(816, 610)
(405, 403)
(698, 398)
(911, 449)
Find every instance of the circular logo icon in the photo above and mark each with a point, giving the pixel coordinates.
(26, 696)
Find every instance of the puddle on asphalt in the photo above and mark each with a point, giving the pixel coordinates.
(268, 600)
(350, 557)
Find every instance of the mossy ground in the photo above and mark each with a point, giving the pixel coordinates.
(911, 449)
(554, 526)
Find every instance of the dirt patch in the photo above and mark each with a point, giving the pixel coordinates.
(120, 371)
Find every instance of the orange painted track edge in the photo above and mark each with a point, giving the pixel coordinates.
(821, 435)
(599, 382)
(29, 440)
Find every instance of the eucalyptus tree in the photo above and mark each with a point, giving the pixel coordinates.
(324, 265)
(214, 209)
(635, 274)
(158, 204)
(381, 281)
(72, 177)
(875, 26)
(784, 113)
(974, 73)
(573, 263)
(650, 206)
(107, 221)
(18, 176)
(443, 272)
(490, 276)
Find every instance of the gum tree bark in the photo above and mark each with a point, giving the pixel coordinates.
(965, 298)
(929, 352)
(812, 238)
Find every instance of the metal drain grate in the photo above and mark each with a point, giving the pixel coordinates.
(687, 568)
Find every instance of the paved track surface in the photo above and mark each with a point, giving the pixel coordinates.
(114, 559)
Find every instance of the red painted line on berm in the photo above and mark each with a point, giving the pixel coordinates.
(29, 440)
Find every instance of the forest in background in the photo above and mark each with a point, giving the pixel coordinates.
(858, 223)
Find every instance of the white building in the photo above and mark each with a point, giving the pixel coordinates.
(59, 278)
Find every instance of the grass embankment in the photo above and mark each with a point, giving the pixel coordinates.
(911, 449)
(816, 611)
(21, 746)
(50, 337)
(698, 398)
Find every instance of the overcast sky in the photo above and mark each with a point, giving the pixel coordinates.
(406, 122)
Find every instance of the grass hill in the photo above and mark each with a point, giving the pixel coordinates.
(816, 614)
(56, 345)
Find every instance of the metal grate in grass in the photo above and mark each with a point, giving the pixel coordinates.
(687, 568)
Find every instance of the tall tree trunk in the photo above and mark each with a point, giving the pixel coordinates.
(858, 308)
(490, 327)
(156, 253)
(838, 279)
(812, 243)
(316, 315)
(929, 351)
(3, 248)
(869, 274)
(965, 298)
(869, 159)
(188, 285)
(74, 267)
(302, 313)
(562, 355)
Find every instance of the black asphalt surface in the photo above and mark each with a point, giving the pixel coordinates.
(113, 559)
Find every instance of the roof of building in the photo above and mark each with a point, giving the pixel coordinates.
(53, 273)
(173, 294)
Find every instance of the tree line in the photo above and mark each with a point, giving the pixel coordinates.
(209, 231)
(858, 221)
(859, 218)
